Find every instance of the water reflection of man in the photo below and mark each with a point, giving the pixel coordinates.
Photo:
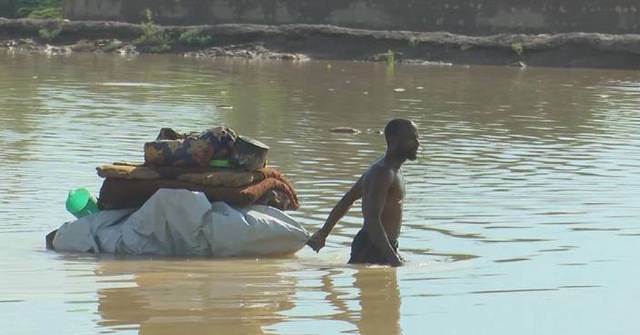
(379, 299)
(177, 297)
(382, 191)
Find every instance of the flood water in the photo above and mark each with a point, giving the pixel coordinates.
(522, 213)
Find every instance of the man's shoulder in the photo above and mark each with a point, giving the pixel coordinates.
(379, 173)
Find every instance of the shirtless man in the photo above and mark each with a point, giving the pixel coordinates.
(382, 191)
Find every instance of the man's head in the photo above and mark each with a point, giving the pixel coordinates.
(402, 138)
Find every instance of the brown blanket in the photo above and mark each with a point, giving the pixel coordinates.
(119, 193)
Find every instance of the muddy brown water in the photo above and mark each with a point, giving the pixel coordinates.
(522, 210)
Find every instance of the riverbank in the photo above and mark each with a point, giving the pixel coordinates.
(302, 42)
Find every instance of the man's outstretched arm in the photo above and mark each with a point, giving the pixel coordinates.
(318, 240)
(376, 189)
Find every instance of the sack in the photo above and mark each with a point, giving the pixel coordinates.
(184, 223)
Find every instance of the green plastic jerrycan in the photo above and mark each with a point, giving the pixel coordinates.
(81, 203)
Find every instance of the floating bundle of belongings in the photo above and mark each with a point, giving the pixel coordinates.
(217, 162)
(148, 209)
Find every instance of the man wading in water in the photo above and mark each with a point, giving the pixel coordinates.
(382, 191)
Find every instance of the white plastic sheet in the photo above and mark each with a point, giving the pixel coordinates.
(184, 223)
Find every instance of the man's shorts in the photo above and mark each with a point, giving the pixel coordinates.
(364, 251)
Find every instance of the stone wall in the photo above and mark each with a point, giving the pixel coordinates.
(471, 17)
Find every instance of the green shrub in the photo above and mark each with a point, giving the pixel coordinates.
(195, 38)
(390, 57)
(517, 48)
(153, 35)
(39, 9)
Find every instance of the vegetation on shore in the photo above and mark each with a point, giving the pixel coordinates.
(153, 36)
(38, 9)
(156, 39)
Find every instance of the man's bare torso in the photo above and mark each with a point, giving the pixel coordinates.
(391, 217)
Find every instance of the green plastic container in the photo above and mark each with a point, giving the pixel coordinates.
(81, 203)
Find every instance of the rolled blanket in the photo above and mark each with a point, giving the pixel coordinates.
(123, 193)
(222, 178)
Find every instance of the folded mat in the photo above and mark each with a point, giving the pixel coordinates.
(126, 172)
(119, 193)
(201, 176)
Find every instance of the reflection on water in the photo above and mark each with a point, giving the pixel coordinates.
(379, 302)
(216, 298)
(521, 211)
(243, 297)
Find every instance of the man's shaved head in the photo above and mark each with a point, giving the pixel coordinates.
(396, 127)
(402, 138)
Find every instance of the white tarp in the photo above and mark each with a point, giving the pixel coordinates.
(184, 223)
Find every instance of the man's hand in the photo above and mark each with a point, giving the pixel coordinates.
(317, 240)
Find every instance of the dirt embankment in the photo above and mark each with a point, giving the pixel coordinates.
(301, 42)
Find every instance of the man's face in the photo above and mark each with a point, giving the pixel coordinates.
(408, 143)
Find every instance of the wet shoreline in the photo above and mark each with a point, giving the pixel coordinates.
(304, 42)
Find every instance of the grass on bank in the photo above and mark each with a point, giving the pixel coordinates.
(39, 9)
